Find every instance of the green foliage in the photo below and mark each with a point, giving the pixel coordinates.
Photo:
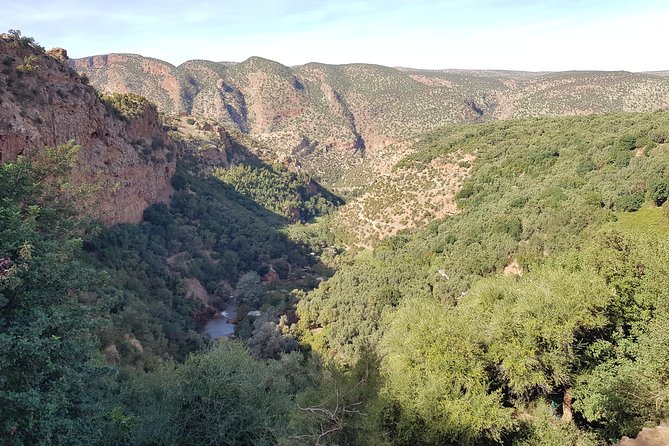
(467, 356)
(340, 406)
(209, 233)
(542, 429)
(126, 106)
(629, 203)
(626, 389)
(249, 289)
(267, 340)
(29, 64)
(294, 196)
(48, 315)
(533, 328)
(436, 372)
(222, 396)
(526, 197)
(21, 41)
(463, 347)
(52, 294)
(659, 192)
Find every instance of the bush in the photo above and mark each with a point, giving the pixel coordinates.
(29, 64)
(629, 203)
(249, 289)
(659, 192)
(126, 106)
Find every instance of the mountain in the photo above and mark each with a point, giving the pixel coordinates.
(348, 125)
(44, 103)
(308, 110)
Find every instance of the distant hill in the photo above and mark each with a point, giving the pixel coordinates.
(305, 112)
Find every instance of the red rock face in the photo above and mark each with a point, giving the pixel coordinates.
(43, 103)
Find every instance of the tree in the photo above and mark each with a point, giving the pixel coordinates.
(47, 341)
(267, 341)
(249, 289)
(533, 328)
(222, 396)
(659, 192)
(436, 373)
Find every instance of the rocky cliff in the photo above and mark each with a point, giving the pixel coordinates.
(44, 103)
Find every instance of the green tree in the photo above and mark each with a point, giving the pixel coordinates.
(48, 315)
(533, 328)
(436, 372)
(222, 396)
(249, 288)
(659, 192)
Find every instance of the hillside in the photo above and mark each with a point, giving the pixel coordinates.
(44, 103)
(403, 198)
(534, 315)
(121, 236)
(329, 116)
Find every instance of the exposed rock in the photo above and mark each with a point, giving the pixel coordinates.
(356, 110)
(49, 105)
(58, 53)
(195, 290)
(271, 276)
(658, 436)
(513, 268)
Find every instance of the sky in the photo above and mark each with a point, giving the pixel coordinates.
(550, 35)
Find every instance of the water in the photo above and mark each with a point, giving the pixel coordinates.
(221, 326)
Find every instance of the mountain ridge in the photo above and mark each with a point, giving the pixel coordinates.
(355, 110)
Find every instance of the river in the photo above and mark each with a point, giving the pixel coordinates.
(221, 326)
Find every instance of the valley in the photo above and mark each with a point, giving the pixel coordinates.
(255, 254)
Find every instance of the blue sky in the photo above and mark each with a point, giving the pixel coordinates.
(517, 34)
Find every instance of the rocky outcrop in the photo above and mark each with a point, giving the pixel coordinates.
(156, 80)
(657, 436)
(44, 103)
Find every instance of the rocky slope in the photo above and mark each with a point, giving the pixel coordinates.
(44, 103)
(359, 107)
(407, 197)
(348, 125)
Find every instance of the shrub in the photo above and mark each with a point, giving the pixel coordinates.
(126, 106)
(29, 64)
(659, 192)
(629, 203)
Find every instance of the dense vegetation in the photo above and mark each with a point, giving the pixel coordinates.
(469, 359)
(84, 312)
(292, 195)
(209, 233)
(422, 340)
(48, 312)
